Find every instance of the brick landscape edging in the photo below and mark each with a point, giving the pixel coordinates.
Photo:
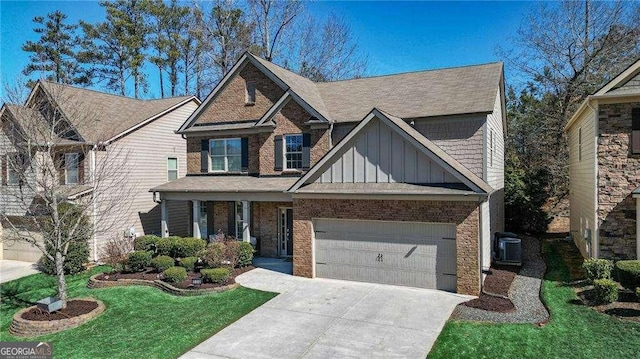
(95, 283)
(21, 327)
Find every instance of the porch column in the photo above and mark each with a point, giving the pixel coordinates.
(196, 218)
(164, 229)
(245, 222)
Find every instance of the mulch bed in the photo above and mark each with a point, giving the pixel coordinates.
(627, 307)
(491, 304)
(74, 308)
(149, 274)
(496, 290)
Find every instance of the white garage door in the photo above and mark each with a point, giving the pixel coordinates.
(20, 251)
(414, 254)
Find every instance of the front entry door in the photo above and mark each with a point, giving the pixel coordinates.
(286, 232)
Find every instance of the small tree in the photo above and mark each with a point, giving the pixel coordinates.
(57, 199)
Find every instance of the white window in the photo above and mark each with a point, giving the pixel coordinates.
(250, 98)
(491, 147)
(226, 155)
(13, 164)
(239, 220)
(172, 168)
(580, 144)
(293, 152)
(71, 164)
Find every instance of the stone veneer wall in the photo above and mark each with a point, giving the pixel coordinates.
(618, 175)
(464, 214)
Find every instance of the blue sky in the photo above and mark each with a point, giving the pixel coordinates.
(396, 36)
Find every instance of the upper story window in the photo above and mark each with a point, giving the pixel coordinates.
(293, 152)
(71, 168)
(491, 147)
(250, 93)
(172, 168)
(635, 131)
(225, 155)
(13, 162)
(580, 144)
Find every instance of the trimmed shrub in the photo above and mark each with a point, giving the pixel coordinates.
(77, 255)
(606, 290)
(160, 263)
(175, 274)
(186, 247)
(189, 263)
(213, 256)
(146, 243)
(638, 294)
(231, 253)
(164, 246)
(597, 269)
(628, 273)
(216, 275)
(245, 256)
(138, 261)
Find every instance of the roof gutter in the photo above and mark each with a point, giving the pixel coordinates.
(591, 98)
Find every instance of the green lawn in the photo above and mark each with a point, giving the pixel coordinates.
(139, 322)
(574, 330)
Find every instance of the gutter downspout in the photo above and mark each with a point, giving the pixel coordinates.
(94, 203)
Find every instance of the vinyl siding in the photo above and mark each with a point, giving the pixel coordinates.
(495, 168)
(142, 159)
(11, 203)
(582, 180)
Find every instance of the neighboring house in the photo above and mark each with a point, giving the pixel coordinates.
(135, 137)
(394, 179)
(604, 169)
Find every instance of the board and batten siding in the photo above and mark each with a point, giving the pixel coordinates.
(378, 154)
(147, 150)
(582, 180)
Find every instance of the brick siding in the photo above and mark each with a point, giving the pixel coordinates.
(618, 176)
(464, 214)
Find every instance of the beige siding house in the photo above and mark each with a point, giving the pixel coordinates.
(392, 179)
(129, 143)
(604, 162)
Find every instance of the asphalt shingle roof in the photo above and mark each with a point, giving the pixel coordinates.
(226, 184)
(98, 116)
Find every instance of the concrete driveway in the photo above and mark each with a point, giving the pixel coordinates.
(322, 318)
(10, 270)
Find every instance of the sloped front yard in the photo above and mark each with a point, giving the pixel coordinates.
(139, 322)
(574, 330)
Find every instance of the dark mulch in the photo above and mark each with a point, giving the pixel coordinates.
(627, 307)
(149, 274)
(74, 308)
(499, 279)
(491, 303)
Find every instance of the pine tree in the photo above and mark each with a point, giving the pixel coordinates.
(54, 55)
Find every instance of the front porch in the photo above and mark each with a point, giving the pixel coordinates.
(252, 209)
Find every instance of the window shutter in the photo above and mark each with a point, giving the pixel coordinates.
(204, 156)
(635, 130)
(278, 153)
(80, 168)
(231, 218)
(306, 151)
(61, 167)
(4, 169)
(245, 154)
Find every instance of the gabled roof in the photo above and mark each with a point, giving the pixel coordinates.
(401, 127)
(99, 116)
(32, 121)
(460, 90)
(442, 92)
(622, 78)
